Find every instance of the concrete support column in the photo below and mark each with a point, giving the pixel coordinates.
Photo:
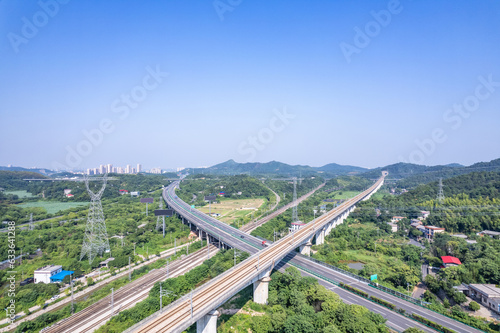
(208, 324)
(305, 249)
(261, 290)
(320, 237)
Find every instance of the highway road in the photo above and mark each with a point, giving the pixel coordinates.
(187, 310)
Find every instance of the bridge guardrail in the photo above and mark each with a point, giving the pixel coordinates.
(357, 277)
(362, 279)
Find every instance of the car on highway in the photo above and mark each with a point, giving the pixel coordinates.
(242, 236)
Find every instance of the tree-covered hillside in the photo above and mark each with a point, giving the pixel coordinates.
(471, 203)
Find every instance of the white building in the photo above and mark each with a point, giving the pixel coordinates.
(487, 294)
(139, 168)
(43, 274)
(394, 226)
(156, 170)
(296, 226)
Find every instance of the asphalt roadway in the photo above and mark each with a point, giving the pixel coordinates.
(242, 241)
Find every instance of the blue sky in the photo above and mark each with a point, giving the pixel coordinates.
(194, 83)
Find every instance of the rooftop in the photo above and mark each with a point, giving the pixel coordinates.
(106, 261)
(489, 232)
(433, 227)
(48, 269)
(489, 289)
(61, 275)
(451, 260)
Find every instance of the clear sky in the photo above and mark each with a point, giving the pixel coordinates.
(194, 83)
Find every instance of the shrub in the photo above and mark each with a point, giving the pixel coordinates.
(474, 306)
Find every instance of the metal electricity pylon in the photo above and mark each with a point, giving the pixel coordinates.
(31, 226)
(158, 223)
(295, 215)
(95, 240)
(440, 196)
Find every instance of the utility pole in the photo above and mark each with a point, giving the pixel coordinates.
(167, 268)
(175, 246)
(129, 272)
(112, 301)
(72, 300)
(163, 226)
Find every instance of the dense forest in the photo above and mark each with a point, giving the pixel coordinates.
(471, 204)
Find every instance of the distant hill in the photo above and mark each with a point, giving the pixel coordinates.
(231, 167)
(10, 180)
(341, 169)
(411, 175)
(38, 170)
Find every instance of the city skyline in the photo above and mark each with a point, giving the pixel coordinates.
(179, 84)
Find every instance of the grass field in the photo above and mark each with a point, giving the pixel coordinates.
(230, 210)
(53, 207)
(343, 194)
(20, 194)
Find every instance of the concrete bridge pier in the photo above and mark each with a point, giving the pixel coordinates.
(208, 323)
(320, 236)
(305, 249)
(261, 290)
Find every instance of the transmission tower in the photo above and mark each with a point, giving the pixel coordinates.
(31, 226)
(95, 240)
(158, 223)
(295, 215)
(440, 196)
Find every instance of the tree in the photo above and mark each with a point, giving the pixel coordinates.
(298, 324)
(90, 281)
(261, 324)
(474, 306)
(331, 329)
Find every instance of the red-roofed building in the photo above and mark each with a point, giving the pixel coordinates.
(449, 261)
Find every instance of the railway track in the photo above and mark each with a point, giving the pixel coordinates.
(249, 227)
(98, 313)
(185, 311)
